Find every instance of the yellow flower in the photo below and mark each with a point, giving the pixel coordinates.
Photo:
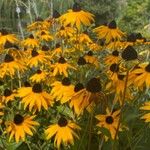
(10, 66)
(20, 126)
(30, 42)
(109, 121)
(8, 96)
(63, 132)
(57, 51)
(77, 17)
(116, 45)
(6, 37)
(61, 67)
(39, 76)
(35, 97)
(62, 91)
(109, 32)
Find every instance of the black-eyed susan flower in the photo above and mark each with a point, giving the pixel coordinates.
(39, 76)
(35, 97)
(109, 32)
(77, 17)
(20, 126)
(10, 66)
(143, 75)
(57, 51)
(57, 130)
(146, 107)
(6, 37)
(61, 67)
(63, 90)
(36, 58)
(30, 42)
(8, 95)
(91, 59)
(112, 58)
(109, 121)
(116, 45)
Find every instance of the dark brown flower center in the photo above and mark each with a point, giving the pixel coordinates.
(62, 122)
(62, 28)
(109, 119)
(45, 48)
(131, 37)
(129, 53)
(37, 88)
(38, 71)
(76, 7)
(90, 53)
(78, 87)
(147, 68)
(4, 32)
(56, 14)
(81, 61)
(115, 53)
(31, 36)
(38, 19)
(62, 60)
(57, 45)
(8, 58)
(112, 25)
(18, 119)
(7, 92)
(66, 82)
(114, 67)
(93, 85)
(34, 53)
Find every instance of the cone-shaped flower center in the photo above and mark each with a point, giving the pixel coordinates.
(115, 53)
(112, 25)
(37, 88)
(38, 71)
(62, 122)
(7, 92)
(62, 28)
(147, 68)
(76, 7)
(93, 85)
(18, 119)
(31, 36)
(81, 61)
(34, 53)
(129, 53)
(57, 45)
(38, 19)
(90, 53)
(27, 84)
(109, 119)
(62, 60)
(114, 67)
(78, 87)
(131, 37)
(56, 14)
(121, 76)
(4, 32)
(45, 48)
(66, 81)
(8, 58)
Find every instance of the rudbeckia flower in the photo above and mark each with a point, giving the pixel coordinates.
(35, 97)
(37, 57)
(63, 132)
(109, 32)
(30, 42)
(91, 59)
(61, 67)
(39, 76)
(76, 17)
(8, 95)
(116, 45)
(10, 66)
(20, 126)
(57, 51)
(113, 58)
(146, 116)
(109, 121)
(6, 37)
(143, 75)
(62, 91)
